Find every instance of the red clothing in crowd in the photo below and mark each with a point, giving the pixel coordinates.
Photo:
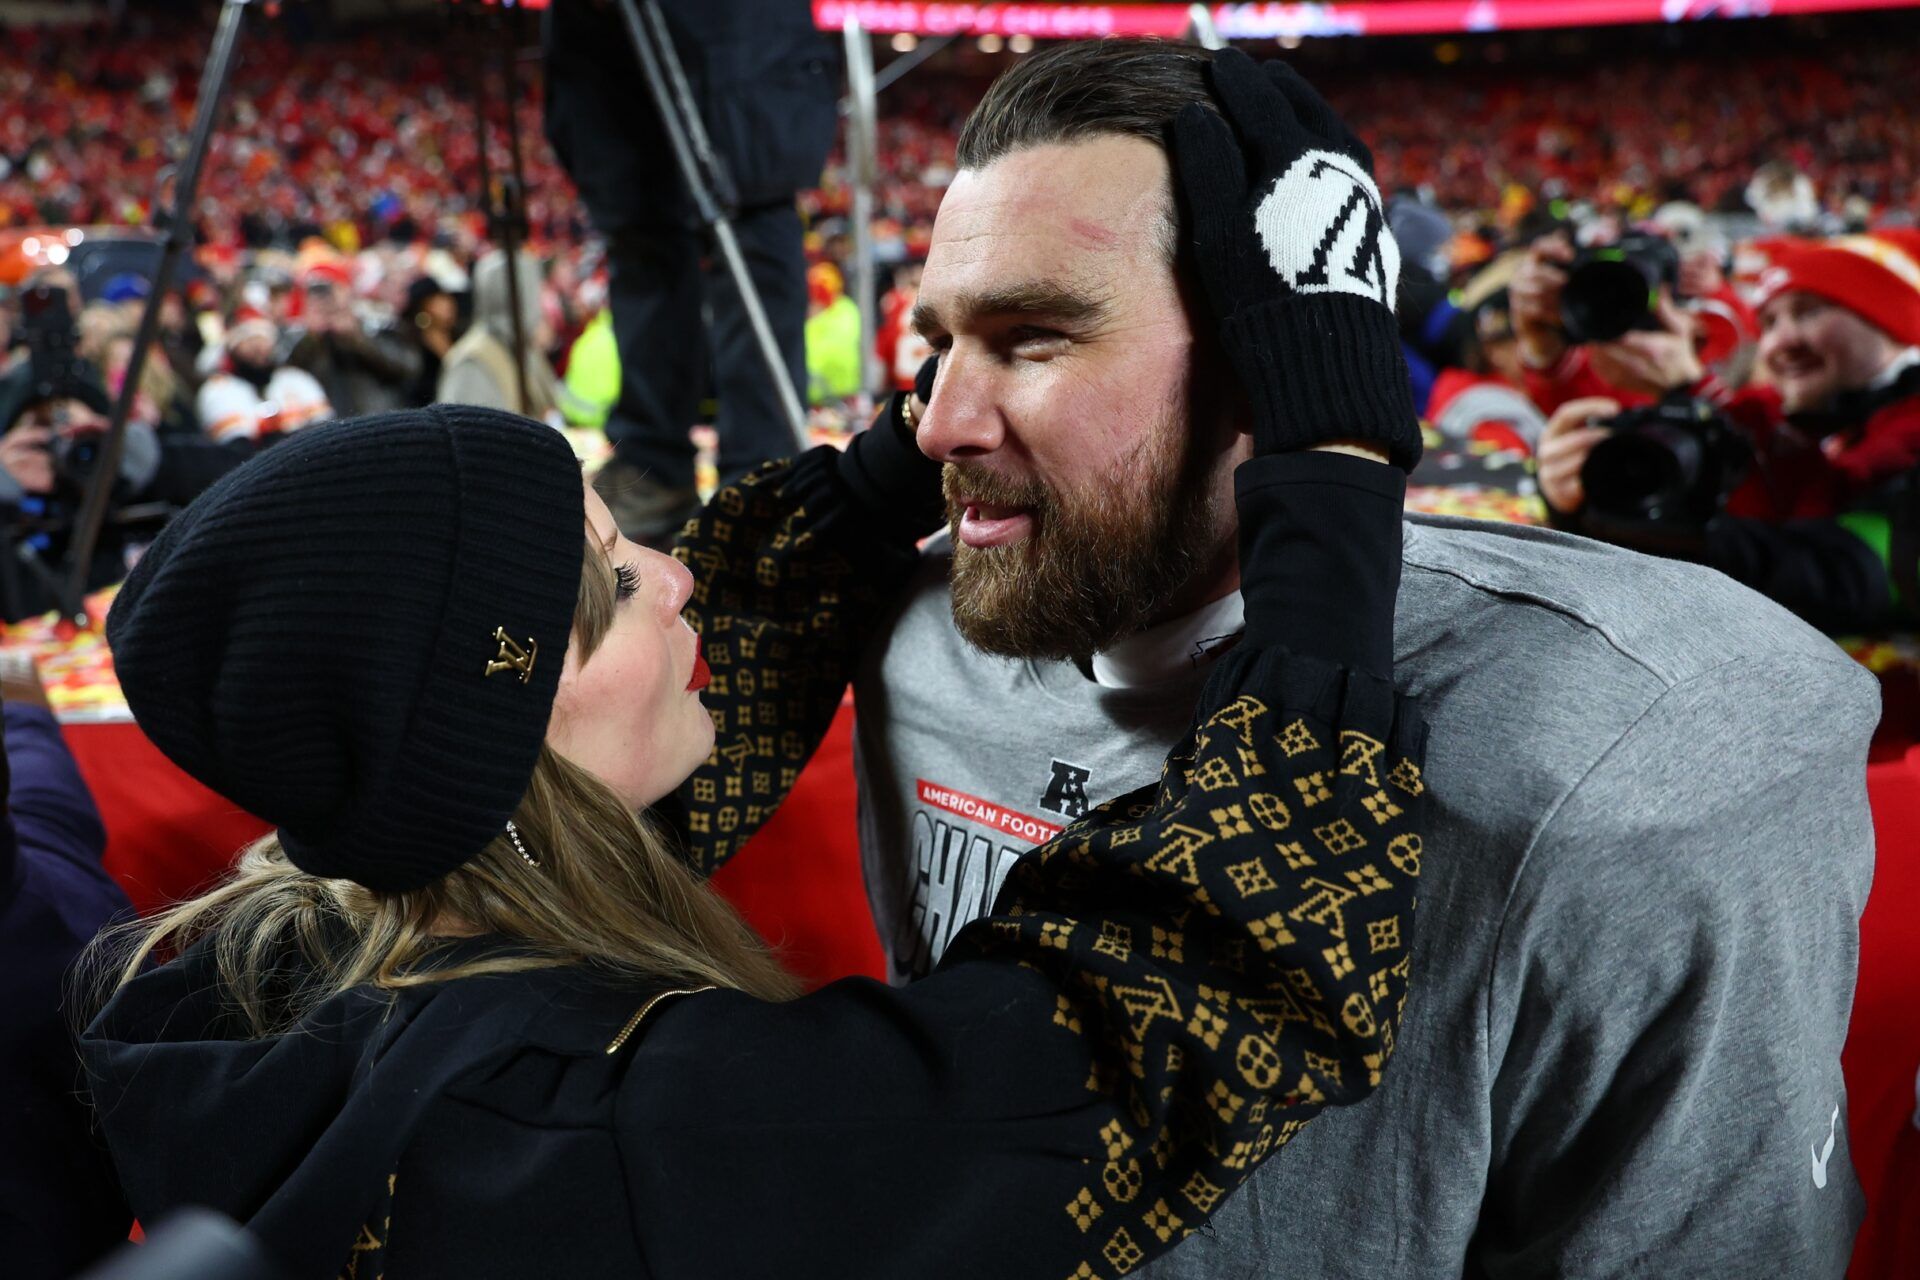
(1796, 477)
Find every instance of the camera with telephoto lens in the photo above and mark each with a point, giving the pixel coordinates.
(55, 371)
(1612, 289)
(1671, 463)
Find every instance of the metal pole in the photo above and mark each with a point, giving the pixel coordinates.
(512, 196)
(1200, 27)
(908, 61)
(862, 146)
(687, 134)
(499, 228)
(93, 508)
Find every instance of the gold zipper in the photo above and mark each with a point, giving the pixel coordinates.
(634, 1022)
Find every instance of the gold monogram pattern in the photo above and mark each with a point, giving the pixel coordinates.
(782, 615)
(1204, 1081)
(368, 1258)
(512, 657)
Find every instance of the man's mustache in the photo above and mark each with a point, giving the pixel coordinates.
(962, 482)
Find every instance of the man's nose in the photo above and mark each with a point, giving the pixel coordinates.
(963, 419)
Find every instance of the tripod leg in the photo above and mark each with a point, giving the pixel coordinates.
(93, 509)
(680, 117)
(770, 352)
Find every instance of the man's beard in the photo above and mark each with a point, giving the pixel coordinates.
(1097, 566)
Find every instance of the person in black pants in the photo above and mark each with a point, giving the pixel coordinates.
(766, 85)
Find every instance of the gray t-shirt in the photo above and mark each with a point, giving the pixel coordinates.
(1638, 919)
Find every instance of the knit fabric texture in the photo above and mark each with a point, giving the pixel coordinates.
(357, 636)
(1291, 245)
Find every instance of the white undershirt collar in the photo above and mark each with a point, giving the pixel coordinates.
(1170, 649)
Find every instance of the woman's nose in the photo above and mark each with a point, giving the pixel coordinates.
(678, 582)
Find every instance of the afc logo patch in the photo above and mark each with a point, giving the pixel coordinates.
(1067, 790)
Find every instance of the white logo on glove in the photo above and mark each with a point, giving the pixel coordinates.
(1324, 232)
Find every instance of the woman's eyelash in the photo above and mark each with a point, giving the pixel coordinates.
(627, 577)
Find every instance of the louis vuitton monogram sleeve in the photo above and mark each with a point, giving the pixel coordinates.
(791, 567)
(1233, 944)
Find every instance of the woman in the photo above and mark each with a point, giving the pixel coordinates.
(478, 369)
(466, 1013)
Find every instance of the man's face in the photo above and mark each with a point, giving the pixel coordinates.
(255, 349)
(1088, 472)
(1815, 349)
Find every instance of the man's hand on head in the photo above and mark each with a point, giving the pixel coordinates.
(1298, 266)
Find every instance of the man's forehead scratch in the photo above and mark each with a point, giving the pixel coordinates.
(1092, 234)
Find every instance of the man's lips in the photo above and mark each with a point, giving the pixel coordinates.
(985, 524)
(698, 680)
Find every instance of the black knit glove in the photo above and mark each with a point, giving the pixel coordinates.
(1293, 249)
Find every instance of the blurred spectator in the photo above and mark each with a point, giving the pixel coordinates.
(60, 1204)
(1483, 401)
(1826, 520)
(253, 393)
(833, 336)
(593, 372)
(478, 369)
(901, 349)
(360, 371)
(430, 319)
(1715, 327)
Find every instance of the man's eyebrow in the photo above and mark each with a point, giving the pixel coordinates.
(1038, 299)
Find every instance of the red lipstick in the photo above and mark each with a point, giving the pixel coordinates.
(698, 680)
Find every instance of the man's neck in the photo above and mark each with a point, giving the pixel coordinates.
(1184, 636)
(1172, 649)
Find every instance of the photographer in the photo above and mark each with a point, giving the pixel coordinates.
(1803, 487)
(53, 415)
(360, 371)
(1609, 341)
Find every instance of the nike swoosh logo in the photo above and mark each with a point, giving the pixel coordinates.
(1820, 1158)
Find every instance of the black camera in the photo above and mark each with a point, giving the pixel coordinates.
(1611, 289)
(1671, 463)
(55, 371)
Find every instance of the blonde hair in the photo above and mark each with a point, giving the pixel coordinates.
(610, 891)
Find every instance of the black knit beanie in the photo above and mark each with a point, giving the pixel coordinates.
(357, 635)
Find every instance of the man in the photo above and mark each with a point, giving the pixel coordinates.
(253, 394)
(1824, 522)
(1633, 974)
(360, 372)
(765, 84)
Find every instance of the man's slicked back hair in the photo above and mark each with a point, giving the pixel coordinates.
(1081, 89)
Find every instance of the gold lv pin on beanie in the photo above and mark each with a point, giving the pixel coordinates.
(357, 635)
